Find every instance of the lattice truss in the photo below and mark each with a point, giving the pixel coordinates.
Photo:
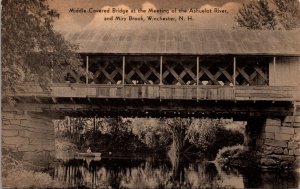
(179, 71)
(252, 71)
(105, 70)
(213, 70)
(142, 70)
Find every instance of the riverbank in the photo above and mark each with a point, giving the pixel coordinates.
(236, 156)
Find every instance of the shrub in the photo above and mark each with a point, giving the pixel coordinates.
(15, 173)
(20, 178)
(236, 156)
(212, 136)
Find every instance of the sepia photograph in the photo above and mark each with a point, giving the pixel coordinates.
(150, 94)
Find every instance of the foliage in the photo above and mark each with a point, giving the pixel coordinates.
(210, 135)
(262, 15)
(236, 156)
(153, 133)
(18, 178)
(288, 12)
(203, 132)
(30, 46)
(15, 173)
(179, 127)
(256, 15)
(150, 135)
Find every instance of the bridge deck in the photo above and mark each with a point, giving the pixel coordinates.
(165, 92)
(158, 100)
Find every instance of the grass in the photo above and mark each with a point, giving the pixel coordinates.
(17, 174)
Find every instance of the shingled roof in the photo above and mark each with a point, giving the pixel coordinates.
(188, 42)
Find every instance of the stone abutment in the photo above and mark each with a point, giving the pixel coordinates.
(28, 137)
(276, 141)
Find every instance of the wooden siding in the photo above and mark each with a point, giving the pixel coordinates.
(169, 92)
(284, 72)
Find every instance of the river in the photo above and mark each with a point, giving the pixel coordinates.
(164, 172)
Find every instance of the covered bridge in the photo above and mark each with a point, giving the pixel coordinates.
(248, 75)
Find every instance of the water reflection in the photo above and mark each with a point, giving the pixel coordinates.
(161, 172)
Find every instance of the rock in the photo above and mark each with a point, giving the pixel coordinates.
(297, 152)
(270, 135)
(287, 130)
(289, 119)
(297, 119)
(285, 151)
(268, 168)
(273, 122)
(267, 152)
(268, 161)
(10, 133)
(272, 129)
(269, 148)
(278, 150)
(293, 145)
(291, 152)
(275, 143)
(15, 122)
(285, 124)
(282, 136)
(282, 157)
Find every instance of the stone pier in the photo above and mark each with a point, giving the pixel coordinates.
(28, 137)
(278, 145)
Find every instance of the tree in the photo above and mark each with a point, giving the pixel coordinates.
(262, 15)
(179, 128)
(30, 46)
(288, 12)
(256, 15)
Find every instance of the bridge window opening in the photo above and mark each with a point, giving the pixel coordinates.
(216, 70)
(179, 70)
(253, 71)
(144, 70)
(105, 69)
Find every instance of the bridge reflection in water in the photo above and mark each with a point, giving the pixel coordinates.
(155, 172)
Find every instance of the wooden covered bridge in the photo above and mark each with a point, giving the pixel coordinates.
(171, 73)
(161, 73)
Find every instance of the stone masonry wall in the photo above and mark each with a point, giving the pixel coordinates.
(280, 143)
(29, 137)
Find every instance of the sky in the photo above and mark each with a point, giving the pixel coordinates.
(95, 21)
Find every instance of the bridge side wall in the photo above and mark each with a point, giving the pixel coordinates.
(28, 137)
(285, 71)
(279, 143)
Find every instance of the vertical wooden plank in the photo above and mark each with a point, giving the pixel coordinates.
(52, 70)
(87, 70)
(234, 71)
(197, 70)
(160, 76)
(123, 71)
(160, 70)
(197, 77)
(274, 70)
(123, 76)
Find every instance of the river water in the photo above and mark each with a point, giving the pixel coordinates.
(164, 172)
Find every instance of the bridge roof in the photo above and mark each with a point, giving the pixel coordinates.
(188, 42)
